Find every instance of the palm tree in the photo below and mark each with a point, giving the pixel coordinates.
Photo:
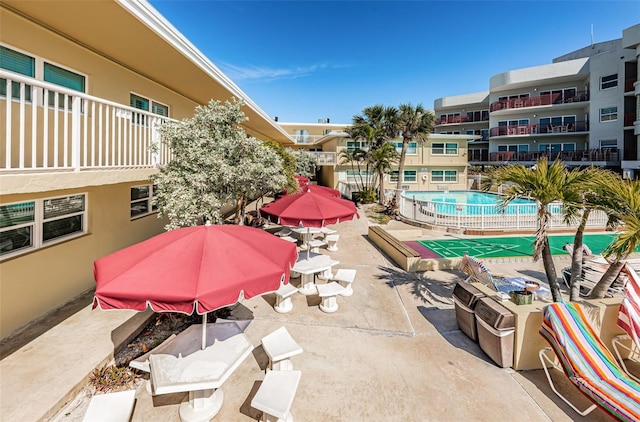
(545, 184)
(413, 124)
(624, 206)
(382, 158)
(374, 128)
(594, 198)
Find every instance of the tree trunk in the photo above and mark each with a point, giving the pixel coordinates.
(239, 217)
(607, 279)
(403, 154)
(577, 257)
(550, 271)
(381, 184)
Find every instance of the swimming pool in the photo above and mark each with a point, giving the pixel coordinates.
(470, 203)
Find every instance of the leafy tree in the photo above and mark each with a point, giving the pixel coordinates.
(624, 207)
(289, 163)
(214, 163)
(545, 184)
(305, 164)
(413, 124)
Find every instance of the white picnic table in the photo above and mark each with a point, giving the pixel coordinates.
(308, 265)
(201, 372)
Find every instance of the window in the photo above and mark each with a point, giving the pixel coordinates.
(608, 114)
(608, 143)
(549, 148)
(409, 176)
(25, 226)
(353, 145)
(136, 101)
(412, 148)
(302, 135)
(355, 175)
(444, 176)
(142, 200)
(449, 148)
(17, 62)
(17, 223)
(62, 217)
(609, 81)
(63, 77)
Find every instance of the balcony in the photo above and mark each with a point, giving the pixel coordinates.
(475, 118)
(629, 84)
(538, 129)
(50, 128)
(629, 118)
(587, 156)
(539, 100)
(324, 158)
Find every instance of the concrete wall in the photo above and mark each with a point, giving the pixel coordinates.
(604, 64)
(36, 282)
(104, 78)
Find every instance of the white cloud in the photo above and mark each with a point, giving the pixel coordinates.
(266, 74)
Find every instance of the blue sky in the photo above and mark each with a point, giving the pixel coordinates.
(307, 60)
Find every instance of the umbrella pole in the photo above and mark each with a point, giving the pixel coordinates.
(204, 331)
(308, 239)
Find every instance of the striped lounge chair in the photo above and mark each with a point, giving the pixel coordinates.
(587, 362)
(629, 320)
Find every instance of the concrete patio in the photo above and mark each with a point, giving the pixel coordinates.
(392, 352)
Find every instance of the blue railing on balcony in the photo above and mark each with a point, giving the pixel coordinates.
(539, 100)
(48, 127)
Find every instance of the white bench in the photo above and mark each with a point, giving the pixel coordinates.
(279, 347)
(111, 407)
(328, 293)
(275, 395)
(283, 298)
(332, 242)
(315, 245)
(345, 278)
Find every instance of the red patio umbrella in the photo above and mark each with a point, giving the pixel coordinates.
(302, 180)
(309, 209)
(201, 269)
(322, 190)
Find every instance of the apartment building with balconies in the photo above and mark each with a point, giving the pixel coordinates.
(440, 163)
(581, 108)
(83, 88)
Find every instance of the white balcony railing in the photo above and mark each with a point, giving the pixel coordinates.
(323, 158)
(47, 127)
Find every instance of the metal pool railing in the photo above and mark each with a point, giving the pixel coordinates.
(487, 217)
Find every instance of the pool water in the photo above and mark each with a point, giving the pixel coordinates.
(471, 202)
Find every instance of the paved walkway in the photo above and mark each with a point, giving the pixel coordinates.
(392, 352)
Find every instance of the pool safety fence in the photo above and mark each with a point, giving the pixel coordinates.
(488, 216)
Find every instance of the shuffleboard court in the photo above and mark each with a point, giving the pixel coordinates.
(507, 247)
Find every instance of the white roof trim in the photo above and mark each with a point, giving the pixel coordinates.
(148, 15)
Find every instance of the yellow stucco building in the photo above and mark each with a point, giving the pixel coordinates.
(83, 86)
